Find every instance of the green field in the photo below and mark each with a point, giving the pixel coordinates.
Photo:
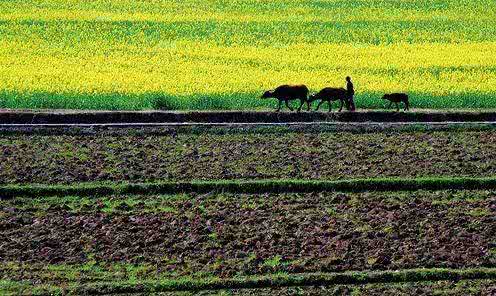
(222, 54)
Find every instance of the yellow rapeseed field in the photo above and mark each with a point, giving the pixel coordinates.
(223, 54)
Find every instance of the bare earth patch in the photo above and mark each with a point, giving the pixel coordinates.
(66, 159)
(228, 235)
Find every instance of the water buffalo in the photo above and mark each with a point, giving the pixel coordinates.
(287, 93)
(329, 95)
(397, 98)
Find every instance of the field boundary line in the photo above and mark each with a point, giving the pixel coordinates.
(330, 123)
(283, 280)
(8, 191)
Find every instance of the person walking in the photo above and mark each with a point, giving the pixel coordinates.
(350, 92)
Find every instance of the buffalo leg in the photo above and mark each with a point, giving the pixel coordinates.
(341, 106)
(308, 105)
(318, 106)
(287, 105)
(330, 105)
(301, 104)
(397, 107)
(347, 103)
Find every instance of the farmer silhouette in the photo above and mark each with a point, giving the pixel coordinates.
(350, 92)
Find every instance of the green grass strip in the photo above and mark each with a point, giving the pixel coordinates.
(256, 186)
(277, 280)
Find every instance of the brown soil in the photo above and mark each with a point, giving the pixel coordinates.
(67, 159)
(226, 235)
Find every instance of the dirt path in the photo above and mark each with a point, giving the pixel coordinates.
(71, 116)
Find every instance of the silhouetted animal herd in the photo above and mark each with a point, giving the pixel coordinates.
(287, 93)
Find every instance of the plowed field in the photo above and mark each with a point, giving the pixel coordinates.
(67, 159)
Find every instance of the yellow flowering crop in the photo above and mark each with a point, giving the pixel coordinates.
(223, 54)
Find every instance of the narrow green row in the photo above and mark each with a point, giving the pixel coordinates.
(278, 280)
(234, 186)
(416, 275)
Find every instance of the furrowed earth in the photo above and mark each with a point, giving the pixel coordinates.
(123, 243)
(68, 159)
(228, 235)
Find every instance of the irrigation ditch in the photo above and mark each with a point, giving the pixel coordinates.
(222, 122)
(115, 129)
(94, 117)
